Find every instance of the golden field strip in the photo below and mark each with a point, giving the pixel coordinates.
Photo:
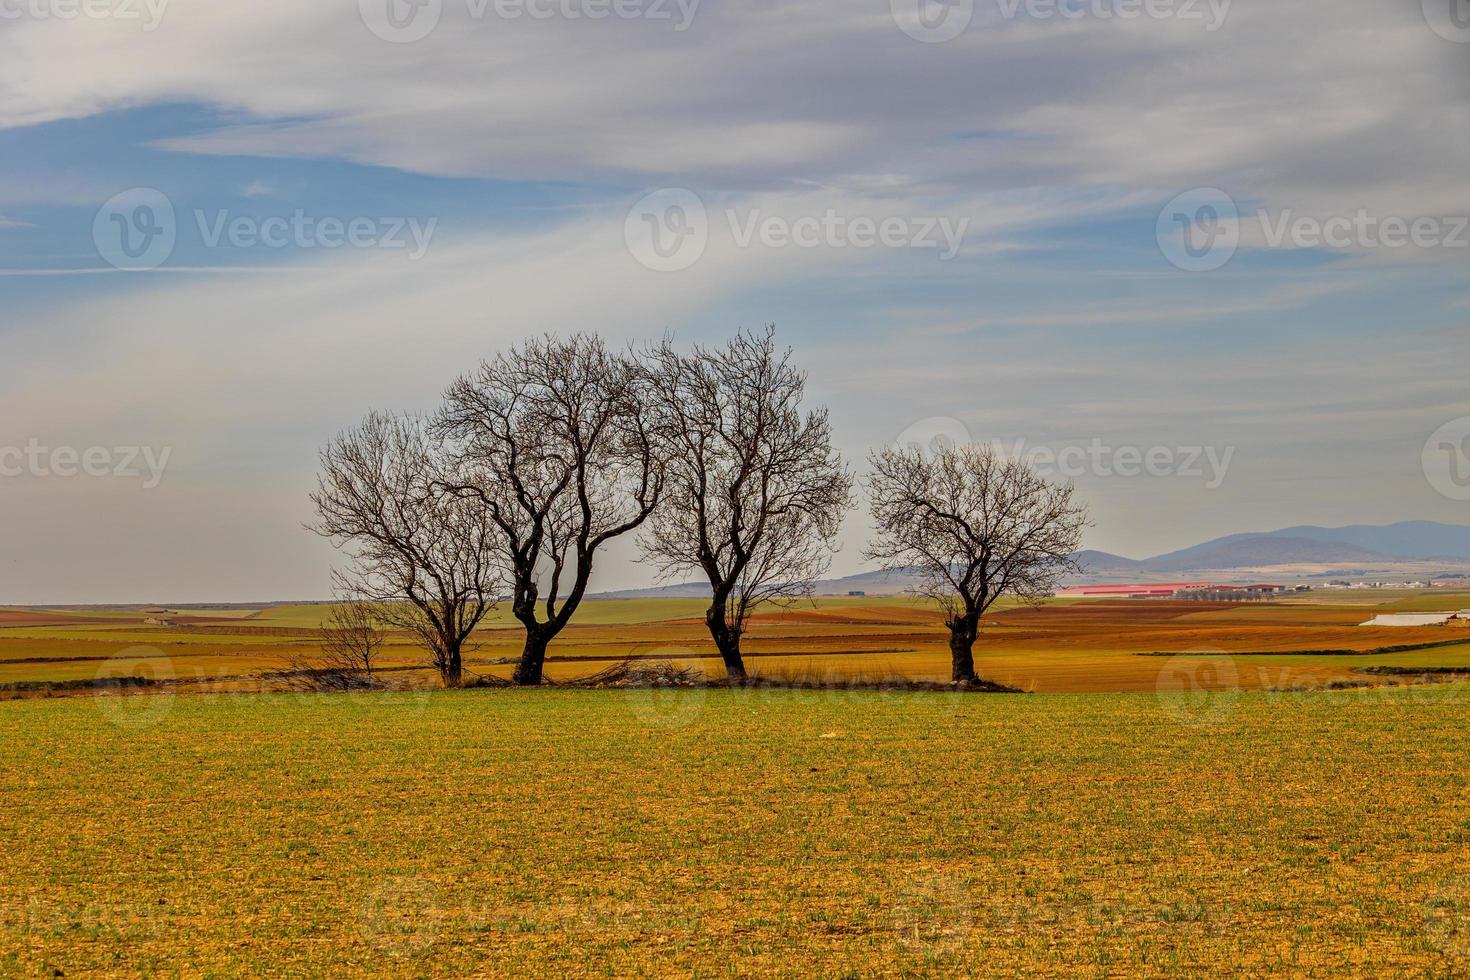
(747, 832)
(1064, 646)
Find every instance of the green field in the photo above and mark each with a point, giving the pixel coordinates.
(718, 832)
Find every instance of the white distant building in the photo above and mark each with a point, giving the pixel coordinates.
(1460, 618)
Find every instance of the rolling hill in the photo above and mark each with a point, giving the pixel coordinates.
(1425, 540)
(1250, 552)
(1359, 544)
(1410, 541)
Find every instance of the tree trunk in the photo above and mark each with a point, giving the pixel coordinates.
(962, 633)
(729, 646)
(533, 660)
(727, 641)
(452, 669)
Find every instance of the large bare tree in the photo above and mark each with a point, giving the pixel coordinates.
(425, 559)
(551, 441)
(975, 527)
(754, 493)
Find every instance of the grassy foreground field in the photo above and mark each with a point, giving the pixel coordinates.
(721, 832)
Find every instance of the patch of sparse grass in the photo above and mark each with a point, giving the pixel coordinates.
(736, 831)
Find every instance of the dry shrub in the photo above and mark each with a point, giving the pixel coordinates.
(642, 673)
(304, 676)
(491, 680)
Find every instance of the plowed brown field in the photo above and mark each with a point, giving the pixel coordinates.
(1061, 646)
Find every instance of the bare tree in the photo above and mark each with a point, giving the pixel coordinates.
(352, 639)
(551, 441)
(975, 527)
(424, 559)
(754, 492)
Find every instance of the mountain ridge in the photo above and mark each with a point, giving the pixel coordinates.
(1303, 544)
(1404, 541)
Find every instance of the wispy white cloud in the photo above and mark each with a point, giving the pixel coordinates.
(1318, 106)
(245, 383)
(1277, 299)
(1167, 105)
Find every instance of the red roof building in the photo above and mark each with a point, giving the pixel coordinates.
(1150, 591)
(1163, 590)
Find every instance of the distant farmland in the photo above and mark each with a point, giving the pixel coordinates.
(1061, 647)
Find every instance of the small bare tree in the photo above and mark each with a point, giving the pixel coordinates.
(352, 639)
(552, 444)
(425, 560)
(754, 492)
(975, 527)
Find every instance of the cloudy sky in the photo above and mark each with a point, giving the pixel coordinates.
(1223, 237)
